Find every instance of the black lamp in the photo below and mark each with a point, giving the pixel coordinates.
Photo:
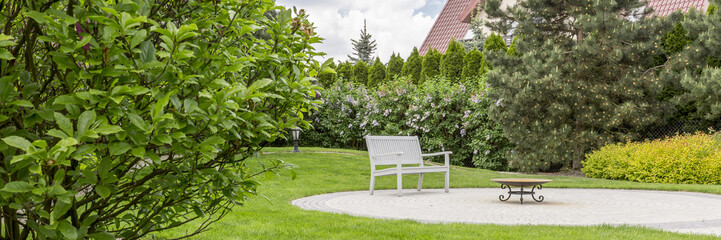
(296, 134)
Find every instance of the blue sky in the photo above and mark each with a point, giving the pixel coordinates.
(396, 25)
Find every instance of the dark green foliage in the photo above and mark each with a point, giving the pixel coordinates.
(413, 66)
(472, 64)
(327, 78)
(360, 73)
(452, 62)
(377, 73)
(431, 65)
(364, 47)
(345, 71)
(675, 40)
(494, 43)
(395, 67)
(119, 119)
(565, 96)
(513, 49)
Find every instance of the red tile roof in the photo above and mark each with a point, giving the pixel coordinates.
(448, 25)
(663, 8)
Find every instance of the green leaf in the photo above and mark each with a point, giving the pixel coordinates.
(118, 148)
(17, 142)
(108, 129)
(136, 120)
(57, 133)
(68, 230)
(38, 16)
(5, 54)
(17, 187)
(84, 121)
(147, 52)
(138, 152)
(64, 123)
(260, 84)
(60, 208)
(138, 37)
(22, 103)
(104, 192)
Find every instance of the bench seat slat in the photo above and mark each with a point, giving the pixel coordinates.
(410, 170)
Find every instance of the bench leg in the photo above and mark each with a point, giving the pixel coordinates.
(420, 181)
(373, 184)
(448, 174)
(400, 184)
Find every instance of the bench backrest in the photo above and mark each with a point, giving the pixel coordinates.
(409, 145)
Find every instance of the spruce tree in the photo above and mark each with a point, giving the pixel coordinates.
(364, 47)
(345, 71)
(431, 65)
(395, 67)
(476, 26)
(377, 73)
(360, 73)
(452, 62)
(582, 83)
(472, 64)
(413, 66)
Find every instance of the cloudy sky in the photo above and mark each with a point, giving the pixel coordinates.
(396, 25)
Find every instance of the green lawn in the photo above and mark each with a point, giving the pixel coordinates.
(322, 170)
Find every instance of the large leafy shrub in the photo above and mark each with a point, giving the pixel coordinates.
(681, 159)
(121, 118)
(443, 114)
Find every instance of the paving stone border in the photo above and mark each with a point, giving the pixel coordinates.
(671, 211)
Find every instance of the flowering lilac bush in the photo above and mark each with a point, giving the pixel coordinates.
(444, 115)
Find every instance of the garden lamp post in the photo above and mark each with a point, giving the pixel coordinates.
(296, 134)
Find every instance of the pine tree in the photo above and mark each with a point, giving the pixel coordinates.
(431, 65)
(345, 71)
(328, 78)
(452, 62)
(413, 66)
(395, 67)
(581, 84)
(360, 73)
(377, 74)
(472, 64)
(364, 47)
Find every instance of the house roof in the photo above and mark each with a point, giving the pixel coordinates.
(448, 25)
(664, 8)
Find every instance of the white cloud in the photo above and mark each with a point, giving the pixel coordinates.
(396, 25)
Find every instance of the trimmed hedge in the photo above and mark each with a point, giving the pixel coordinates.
(692, 159)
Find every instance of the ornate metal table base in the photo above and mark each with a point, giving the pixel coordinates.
(511, 192)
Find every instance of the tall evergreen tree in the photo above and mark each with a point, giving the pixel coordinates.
(364, 47)
(360, 73)
(472, 64)
(513, 49)
(582, 83)
(494, 43)
(476, 26)
(395, 67)
(345, 71)
(377, 73)
(452, 62)
(413, 66)
(431, 65)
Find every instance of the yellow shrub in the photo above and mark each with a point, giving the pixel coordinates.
(681, 159)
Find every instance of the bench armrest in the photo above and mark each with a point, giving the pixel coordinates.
(387, 154)
(435, 154)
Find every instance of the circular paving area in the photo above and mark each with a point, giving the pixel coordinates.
(672, 211)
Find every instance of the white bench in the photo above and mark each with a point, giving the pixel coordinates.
(400, 150)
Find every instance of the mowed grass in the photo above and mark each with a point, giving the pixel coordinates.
(322, 170)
